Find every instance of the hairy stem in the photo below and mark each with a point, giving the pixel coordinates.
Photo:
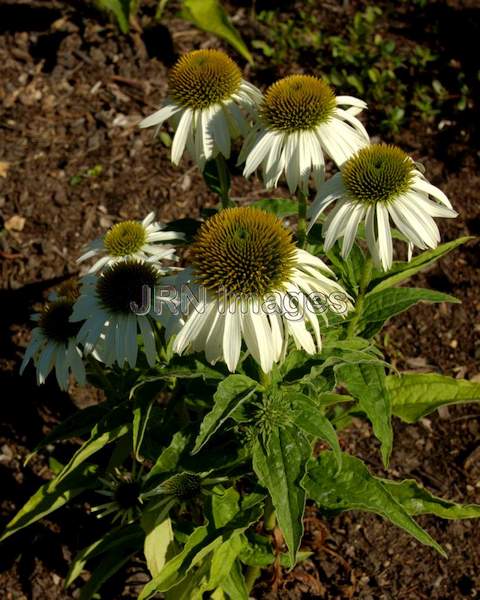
(364, 281)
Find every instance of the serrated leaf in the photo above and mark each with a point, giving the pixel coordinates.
(210, 16)
(401, 271)
(354, 488)
(415, 395)
(230, 394)
(280, 466)
(380, 306)
(366, 382)
(51, 496)
(310, 418)
(416, 500)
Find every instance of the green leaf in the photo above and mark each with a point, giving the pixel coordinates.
(111, 563)
(170, 456)
(199, 545)
(211, 17)
(230, 394)
(416, 500)
(280, 466)
(415, 395)
(223, 559)
(76, 425)
(367, 383)
(354, 488)
(127, 538)
(281, 207)
(401, 271)
(51, 496)
(142, 398)
(379, 307)
(310, 418)
(159, 546)
(120, 9)
(109, 429)
(234, 584)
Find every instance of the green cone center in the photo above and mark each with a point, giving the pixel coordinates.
(243, 252)
(297, 102)
(202, 78)
(378, 173)
(124, 239)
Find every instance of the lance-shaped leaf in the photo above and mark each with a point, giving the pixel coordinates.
(169, 458)
(310, 418)
(280, 465)
(127, 539)
(354, 488)
(110, 428)
(230, 394)
(416, 500)
(51, 496)
(415, 395)
(401, 271)
(234, 584)
(366, 382)
(380, 306)
(210, 16)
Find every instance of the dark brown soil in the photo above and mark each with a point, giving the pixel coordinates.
(72, 162)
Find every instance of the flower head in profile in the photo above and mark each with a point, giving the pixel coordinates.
(301, 120)
(115, 306)
(206, 97)
(254, 285)
(380, 183)
(53, 344)
(138, 240)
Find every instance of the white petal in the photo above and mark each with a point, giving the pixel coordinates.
(384, 237)
(258, 153)
(148, 340)
(291, 154)
(232, 337)
(157, 118)
(330, 191)
(180, 138)
(424, 186)
(220, 132)
(351, 229)
(336, 222)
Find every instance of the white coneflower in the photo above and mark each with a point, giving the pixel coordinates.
(300, 119)
(206, 95)
(140, 240)
(380, 182)
(53, 344)
(254, 284)
(113, 306)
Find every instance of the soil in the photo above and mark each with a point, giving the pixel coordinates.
(73, 162)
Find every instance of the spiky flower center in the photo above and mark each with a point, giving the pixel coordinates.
(182, 485)
(378, 173)
(297, 102)
(54, 321)
(126, 286)
(243, 252)
(202, 78)
(124, 239)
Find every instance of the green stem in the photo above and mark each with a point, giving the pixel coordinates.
(302, 218)
(364, 281)
(251, 576)
(224, 178)
(269, 515)
(269, 521)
